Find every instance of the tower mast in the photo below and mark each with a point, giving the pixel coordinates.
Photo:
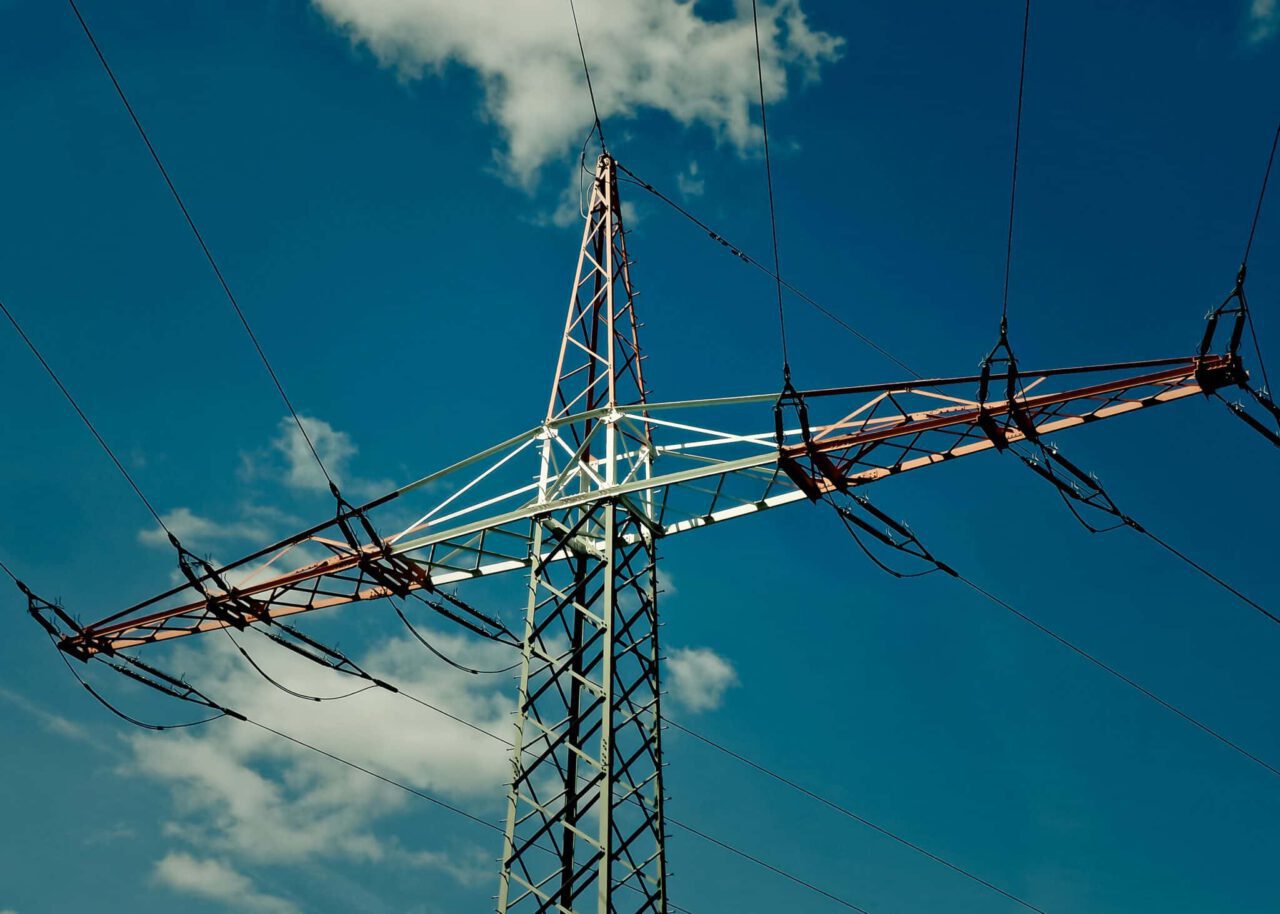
(585, 829)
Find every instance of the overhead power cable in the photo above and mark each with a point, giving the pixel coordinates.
(186, 214)
(848, 813)
(1013, 182)
(1133, 684)
(128, 718)
(1086, 490)
(225, 712)
(440, 654)
(1262, 193)
(392, 688)
(422, 795)
(773, 214)
(586, 70)
(1118, 675)
(284, 688)
(1192, 563)
(756, 765)
(1248, 248)
(102, 442)
(880, 829)
(773, 274)
(844, 903)
(675, 822)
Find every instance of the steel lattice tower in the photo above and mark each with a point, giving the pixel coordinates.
(584, 813)
(578, 502)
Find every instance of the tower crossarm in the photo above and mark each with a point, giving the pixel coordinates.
(697, 463)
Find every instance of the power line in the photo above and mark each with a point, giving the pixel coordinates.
(396, 689)
(440, 654)
(773, 216)
(217, 271)
(1100, 500)
(1204, 571)
(83, 418)
(1257, 210)
(748, 259)
(844, 811)
(1116, 673)
(284, 688)
(1248, 248)
(586, 70)
(884, 831)
(508, 744)
(128, 718)
(412, 790)
(373, 774)
(1013, 183)
(768, 866)
(926, 556)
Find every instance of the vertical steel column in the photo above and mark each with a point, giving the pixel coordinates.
(584, 832)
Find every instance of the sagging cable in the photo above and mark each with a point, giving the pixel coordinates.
(440, 654)
(1081, 488)
(281, 686)
(323, 655)
(894, 534)
(470, 618)
(1085, 489)
(87, 649)
(236, 610)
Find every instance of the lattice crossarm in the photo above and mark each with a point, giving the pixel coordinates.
(704, 462)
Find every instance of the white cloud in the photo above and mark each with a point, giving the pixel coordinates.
(689, 183)
(195, 531)
(657, 55)
(249, 796)
(216, 881)
(1263, 21)
(301, 470)
(288, 459)
(699, 677)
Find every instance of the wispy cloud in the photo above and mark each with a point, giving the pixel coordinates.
(1262, 21)
(216, 881)
(193, 529)
(657, 55)
(699, 677)
(50, 722)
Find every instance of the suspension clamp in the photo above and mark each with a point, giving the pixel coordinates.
(80, 646)
(228, 605)
(376, 558)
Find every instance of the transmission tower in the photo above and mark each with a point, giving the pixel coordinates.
(579, 502)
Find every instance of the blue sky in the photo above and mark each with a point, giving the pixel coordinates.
(384, 184)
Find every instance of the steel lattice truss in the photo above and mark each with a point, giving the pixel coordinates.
(580, 502)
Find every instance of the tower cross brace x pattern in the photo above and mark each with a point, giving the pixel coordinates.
(615, 473)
